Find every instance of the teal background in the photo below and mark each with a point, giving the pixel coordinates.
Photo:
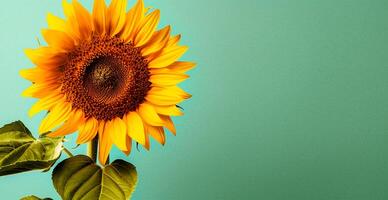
(290, 101)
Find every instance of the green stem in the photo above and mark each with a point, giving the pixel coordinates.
(67, 152)
(92, 149)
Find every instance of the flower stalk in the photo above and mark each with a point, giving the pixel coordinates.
(92, 149)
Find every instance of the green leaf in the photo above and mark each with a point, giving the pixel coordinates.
(21, 152)
(79, 178)
(34, 198)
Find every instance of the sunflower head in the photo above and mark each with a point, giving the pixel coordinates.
(109, 74)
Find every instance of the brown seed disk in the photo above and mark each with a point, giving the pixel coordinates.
(105, 77)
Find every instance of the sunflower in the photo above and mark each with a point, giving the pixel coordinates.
(109, 74)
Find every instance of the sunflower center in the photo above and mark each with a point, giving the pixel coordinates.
(101, 76)
(105, 77)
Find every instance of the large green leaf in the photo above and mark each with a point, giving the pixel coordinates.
(34, 198)
(79, 178)
(21, 152)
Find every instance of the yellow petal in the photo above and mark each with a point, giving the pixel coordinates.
(167, 56)
(148, 28)
(168, 124)
(84, 19)
(168, 110)
(129, 145)
(70, 126)
(72, 22)
(171, 44)
(149, 115)
(171, 91)
(173, 41)
(118, 132)
(157, 42)
(105, 143)
(134, 17)
(99, 16)
(45, 103)
(167, 79)
(46, 57)
(117, 13)
(178, 67)
(135, 127)
(57, 115)
(147, 144)
(58, 39)
(163, 100)
(177, 90)
(157, 133)
(39, 75)
(87, 131)
(181, 66)
(40, 90)
(56, 23)
(166, 96)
